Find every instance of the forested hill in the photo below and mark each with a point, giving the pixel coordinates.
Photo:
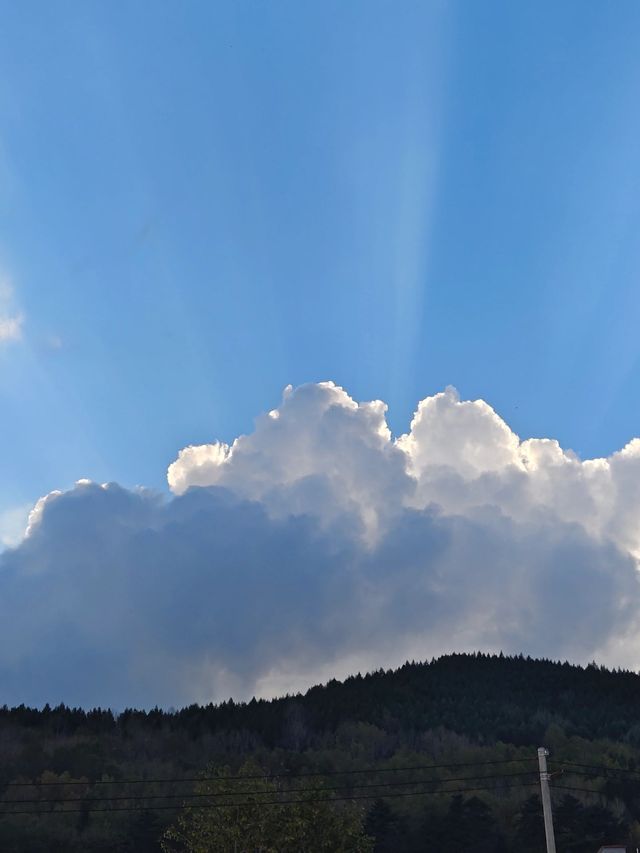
(488, 698)
(487, 713)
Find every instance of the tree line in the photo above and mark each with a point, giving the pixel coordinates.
(474, 708)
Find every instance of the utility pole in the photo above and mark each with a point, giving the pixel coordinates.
(546, 800)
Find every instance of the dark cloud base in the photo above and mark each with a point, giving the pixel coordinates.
(122, 598)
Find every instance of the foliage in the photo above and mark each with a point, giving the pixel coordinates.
(295, 821)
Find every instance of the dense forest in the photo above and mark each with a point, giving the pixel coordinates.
(437, 756)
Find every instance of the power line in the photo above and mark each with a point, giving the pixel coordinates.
(582, 790)
(270, 802)
(601, 767)
(318, 774)
(269, 792)
(568, 772)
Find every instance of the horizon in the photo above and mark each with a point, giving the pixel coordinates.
(355, 676)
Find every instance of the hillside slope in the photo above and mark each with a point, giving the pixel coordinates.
(487, 712)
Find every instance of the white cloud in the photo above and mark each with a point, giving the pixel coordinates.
(317, 544)
(11, 328)
(466, 436)
(459, 455)
(323, 454)
(13, 523)
(11, 322)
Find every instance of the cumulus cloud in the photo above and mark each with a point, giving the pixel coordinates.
(318, 545)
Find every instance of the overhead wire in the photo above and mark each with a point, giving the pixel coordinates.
(318, 774)
(603, 767)
(261, 803)
(581, 790)
(384, 789)
(322, 789)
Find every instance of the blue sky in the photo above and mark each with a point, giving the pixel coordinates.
(203, 202)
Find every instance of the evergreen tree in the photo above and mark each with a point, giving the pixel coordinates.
(529, 835)
(382, 825)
